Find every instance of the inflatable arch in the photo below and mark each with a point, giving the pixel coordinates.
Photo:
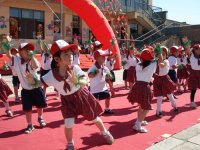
(97, 22)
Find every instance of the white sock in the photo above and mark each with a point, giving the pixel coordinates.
(138, 123)
(104, 132)
(107, 108)
(171, 98)
(71, 142)
(159, 103)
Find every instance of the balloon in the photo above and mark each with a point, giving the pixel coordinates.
(96, 21)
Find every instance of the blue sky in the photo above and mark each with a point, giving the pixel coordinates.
(181, 10)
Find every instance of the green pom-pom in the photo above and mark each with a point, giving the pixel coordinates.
(94, 72)
(180, 66)
(78, 80)
(6, 67)
(185, 44)
(109, 76)
(7, 46)
(39, 41)
(158, 50)
(124, 63)
(112, 42)
(31, 54)
(131, 48)
(89, 42)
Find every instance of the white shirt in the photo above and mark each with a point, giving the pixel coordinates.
(98, 83)
(110, 64)
(164, 71)
(146, 73)
(184, 60)
(46, 65)
(21, 70)
(194, 63)
(52, 78)
(172, 62)
(14, 73)
(132, 61)
(76, 59)
(126, 66)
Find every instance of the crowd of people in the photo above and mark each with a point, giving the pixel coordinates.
(154, 71)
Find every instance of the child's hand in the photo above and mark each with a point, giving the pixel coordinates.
(72, 77)
(29, 77)
(8, 38)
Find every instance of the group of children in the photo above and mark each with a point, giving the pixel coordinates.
(58, 70)
(167, 71)
(79, 91)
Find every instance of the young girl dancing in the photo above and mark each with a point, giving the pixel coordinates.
(162, 84)
(70, 82)
(182, 72)
(141, 92)
(194, 77)
(5, 91)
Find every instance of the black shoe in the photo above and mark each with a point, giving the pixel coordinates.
(70, 146)
(176, 109)
(29, 129)
(159, 114)
(175, 97)
(108, 111)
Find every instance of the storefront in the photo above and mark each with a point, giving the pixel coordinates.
(29, 19)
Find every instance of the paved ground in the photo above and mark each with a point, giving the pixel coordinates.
(188, 139)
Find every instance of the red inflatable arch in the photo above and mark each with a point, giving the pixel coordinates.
(97, 22)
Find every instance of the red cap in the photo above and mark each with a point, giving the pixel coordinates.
(147, 54)
(61, 45)
(14, 50)
(127, 51)
(180, 48)
(174, 49)
(165, 49)
(196, 46)
(27, 46)
(138, 55)
(97, 43)
(149, 47)
(99, 52)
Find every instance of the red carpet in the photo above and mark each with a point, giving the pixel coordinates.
(86, 135)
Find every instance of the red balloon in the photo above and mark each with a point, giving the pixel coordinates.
(97, 22)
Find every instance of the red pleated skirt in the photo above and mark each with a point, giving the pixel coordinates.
(183, 73)
(5, 90)
(82, 103)
(141, 93)
(131, 75)
(163, 85)
(194, 79)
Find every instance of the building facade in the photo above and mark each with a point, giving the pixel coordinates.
(32, 19)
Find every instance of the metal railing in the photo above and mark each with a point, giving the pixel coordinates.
(131, 6)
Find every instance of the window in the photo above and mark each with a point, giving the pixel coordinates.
(76, 23)
(57, 18)
(26, 23)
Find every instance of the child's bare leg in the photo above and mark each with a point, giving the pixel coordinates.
(69, 123)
